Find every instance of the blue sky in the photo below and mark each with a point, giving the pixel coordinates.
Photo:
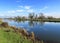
(23, 7)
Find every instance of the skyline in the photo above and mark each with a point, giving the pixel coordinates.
(24, 7)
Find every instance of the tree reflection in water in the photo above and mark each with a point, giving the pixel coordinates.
(33, 23)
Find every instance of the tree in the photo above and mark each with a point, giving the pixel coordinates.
(50, 17)
(31, 15)
(18, 18)
(41, 16)
(36, 16)
(23, 18)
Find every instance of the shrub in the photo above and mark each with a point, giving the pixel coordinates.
(4, 24)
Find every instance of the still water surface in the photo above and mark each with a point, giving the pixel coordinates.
(43, 30)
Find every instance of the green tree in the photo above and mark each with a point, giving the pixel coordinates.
(41, 16)
(36, 16)
(31, 16)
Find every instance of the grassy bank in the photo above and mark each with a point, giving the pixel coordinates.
(11, 36)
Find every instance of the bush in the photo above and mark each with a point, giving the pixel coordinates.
(4, 24)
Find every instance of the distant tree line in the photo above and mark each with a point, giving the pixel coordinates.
(36, 17)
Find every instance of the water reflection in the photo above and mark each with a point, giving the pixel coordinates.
(33, 23)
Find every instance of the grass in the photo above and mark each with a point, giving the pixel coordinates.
(12, 37)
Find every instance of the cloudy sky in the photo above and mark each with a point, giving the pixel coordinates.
(23, 7)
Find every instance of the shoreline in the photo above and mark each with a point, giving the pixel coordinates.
(23, 32)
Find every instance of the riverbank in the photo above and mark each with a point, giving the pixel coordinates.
(8, 35)
(11, 34)
(11, 37)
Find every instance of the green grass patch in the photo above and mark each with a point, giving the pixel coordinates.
(12, 37)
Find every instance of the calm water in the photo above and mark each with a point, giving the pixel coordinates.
(43, 30)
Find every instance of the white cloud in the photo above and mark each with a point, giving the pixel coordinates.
(21, 6)
(17, 1)
(15, 11)
(23, 9)
(54, 14)
(30, 10)
(11, 11)
(44, 8)
(2, 15)
(27, 7)
(19, 10)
